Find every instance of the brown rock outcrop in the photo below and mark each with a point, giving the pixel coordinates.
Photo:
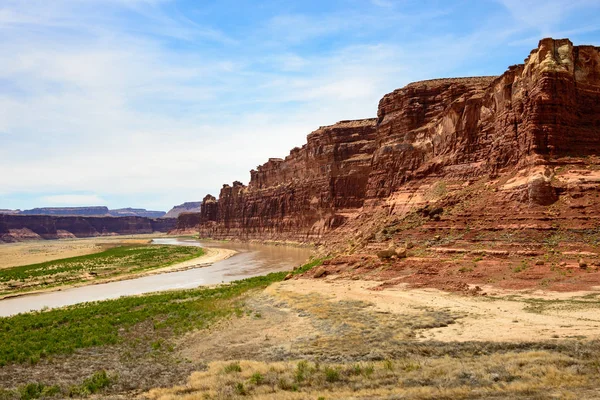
(299, 197)
(496, 146)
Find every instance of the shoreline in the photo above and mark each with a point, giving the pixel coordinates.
(39, 251)
(288, 243)
(211, 256)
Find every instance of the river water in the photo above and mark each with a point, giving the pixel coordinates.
(251, 260)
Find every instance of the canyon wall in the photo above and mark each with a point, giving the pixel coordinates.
(511, 133)
(299, 197)
(187, 223)
(547, 107)
(30, 227)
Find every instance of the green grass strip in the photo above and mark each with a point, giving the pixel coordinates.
(32, 336)
(109, 263)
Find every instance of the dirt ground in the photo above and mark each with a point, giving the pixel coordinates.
(346, 320)
(346, 323)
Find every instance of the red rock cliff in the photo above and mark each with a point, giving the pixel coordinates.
(301, 196)
(463, 129)
(547, 107)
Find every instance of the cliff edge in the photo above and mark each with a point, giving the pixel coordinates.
(507, 140)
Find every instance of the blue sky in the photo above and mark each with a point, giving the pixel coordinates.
(150, 103)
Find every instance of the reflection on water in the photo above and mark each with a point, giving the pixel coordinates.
(252, 260)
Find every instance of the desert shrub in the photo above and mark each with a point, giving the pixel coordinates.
(232, 367)
(331, 374)
(257, 378)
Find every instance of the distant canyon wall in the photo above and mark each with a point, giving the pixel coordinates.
(187, 207)
(93, 211)
(462, 129)
(31, 227)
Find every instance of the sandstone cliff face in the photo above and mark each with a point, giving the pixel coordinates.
(431, 140)
(19, 227)
(546, 108)
(301, 196)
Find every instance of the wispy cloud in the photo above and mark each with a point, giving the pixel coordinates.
(161, 101)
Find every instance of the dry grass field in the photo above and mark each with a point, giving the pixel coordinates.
(336, 339)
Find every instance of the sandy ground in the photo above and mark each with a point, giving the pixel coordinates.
(501, 316)
(25, 253)
(346, 320)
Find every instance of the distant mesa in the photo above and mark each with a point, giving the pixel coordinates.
(187, 207)
(6, 211)
(87, 211)
(136, 212)
(92, 211)
(76, 222)
(18, 227)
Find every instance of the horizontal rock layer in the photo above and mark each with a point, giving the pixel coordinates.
(94, 211)
(20, 227)
(521, 127)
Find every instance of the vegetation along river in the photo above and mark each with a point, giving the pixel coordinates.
(251, 260)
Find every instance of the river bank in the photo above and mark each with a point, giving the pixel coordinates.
(209, 257)
(332, 337)
(217, 266)
(32, 252)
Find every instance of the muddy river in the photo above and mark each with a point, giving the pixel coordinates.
(251, 260)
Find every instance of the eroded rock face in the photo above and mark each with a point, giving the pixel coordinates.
(22, 227)
(469, 127)
(302, 196)
(500, 129)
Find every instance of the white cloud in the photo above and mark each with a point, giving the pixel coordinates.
(92, 103)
